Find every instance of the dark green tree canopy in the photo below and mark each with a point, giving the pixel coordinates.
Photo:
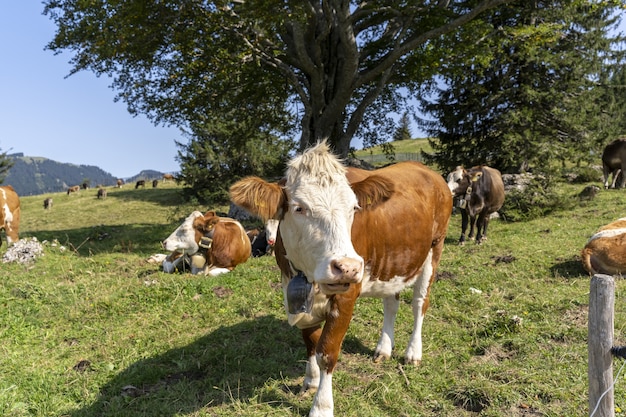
(329, 68)
(534, 91)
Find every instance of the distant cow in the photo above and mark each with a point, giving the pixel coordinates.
(605, 251)
(346, 233)
(614, 162)
(155, 183)
(119, 183)
(102, 193)
(73, 189)
(213, 245)
(263, 241)
(479, 193)
(140, 183)
(84, 185)
(9, 214)
(168, 177)
(47, 203)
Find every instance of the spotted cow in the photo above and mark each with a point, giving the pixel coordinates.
(9, 214)
(605, 251)
(263, 241)
(479, 193)
(211, 244)
(343, 233)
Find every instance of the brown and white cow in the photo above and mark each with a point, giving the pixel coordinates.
(213, 245)
(47, 203)
(343, 233)
(614, 162)
(478, 193)
(102, 193)
(9, 213)
(605, 251)
(119, 183)
(74, 189)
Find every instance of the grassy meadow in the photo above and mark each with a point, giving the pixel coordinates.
(91, 329)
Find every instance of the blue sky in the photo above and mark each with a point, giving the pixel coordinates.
(75, 119)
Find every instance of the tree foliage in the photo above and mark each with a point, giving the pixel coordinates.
(533, 91)
(334, 66)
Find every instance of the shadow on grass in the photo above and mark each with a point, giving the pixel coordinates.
(231, 364)
(568, 268)
(124, 238)
(165, 197)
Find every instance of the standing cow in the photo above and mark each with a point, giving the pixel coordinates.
(343, 234)
(102, 193)
(614, 162)
(479, 193)
(9, 213)
(47, 203)
(140, 183)
(263, 241)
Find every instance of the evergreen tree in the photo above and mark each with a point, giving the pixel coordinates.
(525, 103)
(403, 132)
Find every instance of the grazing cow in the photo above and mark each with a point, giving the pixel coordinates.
(343, 233)
(73, 189)
(9, 214)
(102, 193)
(263, 241)
(214, 245)
(84, 185)
(478, 194)
(119, 183)
(47, 203)
(140, 183)
(614, 162)
(605, 251)
(155, 183)
(168, 177)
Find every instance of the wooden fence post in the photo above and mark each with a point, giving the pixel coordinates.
(600, 341)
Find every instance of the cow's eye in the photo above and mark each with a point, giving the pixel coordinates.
(299, 210)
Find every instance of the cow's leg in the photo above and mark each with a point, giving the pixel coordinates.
(312, 375)
(472, 225)
(616, 175)
(464, 222)
(328, 347)
(606, 172)
(481, 227)
(386, 342)
(419, 304)
(623, 177)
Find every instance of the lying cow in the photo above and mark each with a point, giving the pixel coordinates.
(263, 241)
(9, 214)
(479, 193)
(614, 162)
(213, 245)
(605, 251)
(343, 234)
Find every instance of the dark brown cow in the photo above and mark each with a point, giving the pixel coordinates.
(479, 194)
(102, 193)
(47, 203)
(155, 183)
(140, 183)
(614, 162)
(73, 189)
(213, 245)
(344, 233)
(9, 214)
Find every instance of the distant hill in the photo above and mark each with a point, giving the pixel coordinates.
(35, 175)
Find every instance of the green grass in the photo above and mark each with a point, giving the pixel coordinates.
(95, 330)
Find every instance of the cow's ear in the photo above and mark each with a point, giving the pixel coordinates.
(259, 197)
(210, 213)
(372, 191)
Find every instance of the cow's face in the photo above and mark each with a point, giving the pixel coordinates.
(184, 237)
(271, 230)
(454, 179)
(316, 227)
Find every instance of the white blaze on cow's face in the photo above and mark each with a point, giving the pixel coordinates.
(316, 227)
(271, 230)
(184, 237)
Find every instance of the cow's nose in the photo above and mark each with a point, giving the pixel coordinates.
(271, 242)
(347, 269)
